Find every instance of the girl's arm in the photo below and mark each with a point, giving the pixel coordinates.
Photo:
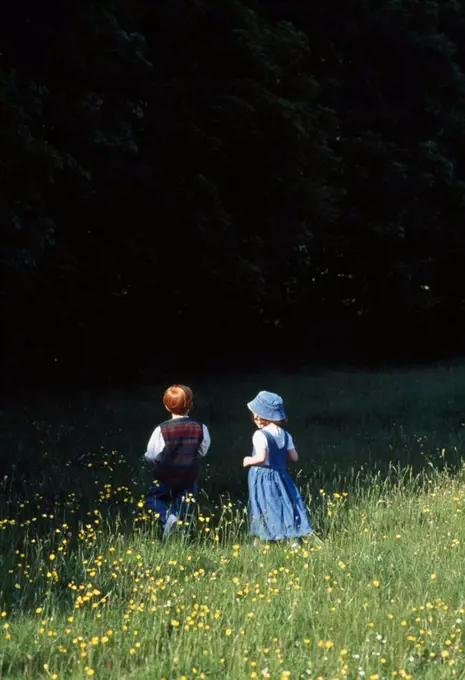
(292, 456)
(258, 459)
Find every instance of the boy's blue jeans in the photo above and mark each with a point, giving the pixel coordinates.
(171, 504)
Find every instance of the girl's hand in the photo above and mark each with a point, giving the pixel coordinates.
(246, 461)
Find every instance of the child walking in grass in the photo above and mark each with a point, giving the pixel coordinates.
(175, 448)
(276, 509)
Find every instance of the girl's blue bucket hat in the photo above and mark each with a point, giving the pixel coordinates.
(268, 405)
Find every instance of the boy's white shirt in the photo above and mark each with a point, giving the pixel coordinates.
(260, 441)
(157, 443)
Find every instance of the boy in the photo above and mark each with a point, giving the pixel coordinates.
(175, 448)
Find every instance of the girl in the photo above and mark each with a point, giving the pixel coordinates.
(276, 509)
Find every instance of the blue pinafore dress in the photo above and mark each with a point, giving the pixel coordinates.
(276, 509)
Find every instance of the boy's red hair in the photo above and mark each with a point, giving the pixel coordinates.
(178, 399)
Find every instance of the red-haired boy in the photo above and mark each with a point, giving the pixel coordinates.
(175, 448)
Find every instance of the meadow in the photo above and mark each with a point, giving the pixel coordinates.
(88, 590)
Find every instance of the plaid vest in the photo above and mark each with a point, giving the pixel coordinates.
(178, 463)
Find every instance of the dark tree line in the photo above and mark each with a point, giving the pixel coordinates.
(229, 180)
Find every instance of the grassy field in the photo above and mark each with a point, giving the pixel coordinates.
(88, 590)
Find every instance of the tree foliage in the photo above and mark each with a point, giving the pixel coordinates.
(228, 178)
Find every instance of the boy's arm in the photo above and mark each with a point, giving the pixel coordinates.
(206, 441)
(155, 446)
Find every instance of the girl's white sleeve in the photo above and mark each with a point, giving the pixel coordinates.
(259, 441)
(155, 445)
(206, 441)
(290, 442)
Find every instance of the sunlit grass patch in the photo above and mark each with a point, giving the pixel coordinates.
(88, 589)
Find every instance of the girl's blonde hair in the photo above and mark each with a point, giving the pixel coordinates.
(265, 422)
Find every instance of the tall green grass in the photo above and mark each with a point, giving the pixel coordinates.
(88, 590)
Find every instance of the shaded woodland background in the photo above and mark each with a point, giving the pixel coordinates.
(211, 183)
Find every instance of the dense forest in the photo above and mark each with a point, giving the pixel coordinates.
(212, 183)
